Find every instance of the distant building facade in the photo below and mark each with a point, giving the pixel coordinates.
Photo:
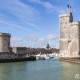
(19, 50)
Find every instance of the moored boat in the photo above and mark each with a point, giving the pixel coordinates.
(42, 57)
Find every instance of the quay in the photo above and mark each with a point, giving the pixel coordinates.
(12, 54)
(16, 54)
(31, 58)
(12, 57)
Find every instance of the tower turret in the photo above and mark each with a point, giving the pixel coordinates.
(4, 42)
(69, 36)
(65, 19)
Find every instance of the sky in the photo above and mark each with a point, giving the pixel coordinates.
(34, 23)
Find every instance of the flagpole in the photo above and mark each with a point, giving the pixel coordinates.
(67, 8)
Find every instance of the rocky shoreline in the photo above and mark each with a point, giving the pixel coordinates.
(73, 60)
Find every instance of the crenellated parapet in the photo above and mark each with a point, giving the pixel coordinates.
(5, 34)
(75, 23)
(65, 15)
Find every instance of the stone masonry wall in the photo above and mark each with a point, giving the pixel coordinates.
(4, 42)
(69, 36)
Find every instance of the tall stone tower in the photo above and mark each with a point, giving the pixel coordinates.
(4, 42)
(69, 36)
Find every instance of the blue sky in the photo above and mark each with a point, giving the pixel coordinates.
(34, 23)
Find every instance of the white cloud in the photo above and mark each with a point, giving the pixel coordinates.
(36, 1)
(17, 42)
(51, 37)
(50, 8)
(14, 25)
(33, 25)
(19, 9)
(41, 42)
(45, 4)
(34, 41)
(32, 37)
(23, 12)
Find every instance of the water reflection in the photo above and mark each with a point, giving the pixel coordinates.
(10, 71)
(69, 70)
(39, 70)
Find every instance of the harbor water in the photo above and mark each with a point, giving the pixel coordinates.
(50, 69)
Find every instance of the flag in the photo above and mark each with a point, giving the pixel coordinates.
(69, 6)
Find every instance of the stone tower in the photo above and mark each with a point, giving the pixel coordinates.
(4, 42)
(69, 36)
